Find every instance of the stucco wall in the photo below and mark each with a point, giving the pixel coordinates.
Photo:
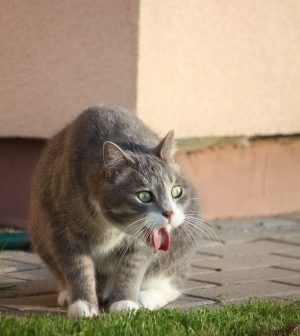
(215, 67)
(58, 57)
(201, 67)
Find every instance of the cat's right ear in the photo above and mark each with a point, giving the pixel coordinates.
(114, 158)
(167, 147)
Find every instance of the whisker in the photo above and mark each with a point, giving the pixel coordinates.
(197, 217)
(207, 227)
(191, 237)
(204, 228)
(200, 230)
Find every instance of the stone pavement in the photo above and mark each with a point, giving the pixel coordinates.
(256, 258)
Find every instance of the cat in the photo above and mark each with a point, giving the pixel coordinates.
(112, 214)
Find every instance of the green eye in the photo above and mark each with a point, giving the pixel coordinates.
(176, 192)
(145, 196)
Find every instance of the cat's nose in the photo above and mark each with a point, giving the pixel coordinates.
(168, 214)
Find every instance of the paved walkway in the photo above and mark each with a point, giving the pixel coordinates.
(258, 258)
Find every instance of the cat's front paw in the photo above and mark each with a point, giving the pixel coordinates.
(64, 298)
(82, 308)
(123, 305)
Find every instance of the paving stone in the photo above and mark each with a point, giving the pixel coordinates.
(47, 300)
(251, 246)
(248, 248)
(245, 262)
(246, 275)
(290, 282)
(191, 283)
(8, 284)
(190, 302)
(27, 288)
(36, 274)
(233, 228)
(234, 292)
(292, 217)
(37, 303)
(9, 266)
(287, 241)
(21, 256)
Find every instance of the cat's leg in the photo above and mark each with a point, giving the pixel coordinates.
(45, 252)
(127, 283)
(105, 285)
(157, 291)
(80, 274)
(64, 293)
(64, 297)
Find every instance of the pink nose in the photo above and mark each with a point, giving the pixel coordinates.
(168, 214)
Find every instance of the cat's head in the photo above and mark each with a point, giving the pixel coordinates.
(144, 194)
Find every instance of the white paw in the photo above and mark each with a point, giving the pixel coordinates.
(123, 305)
(82, 308)
(151, 299)
(64, 298)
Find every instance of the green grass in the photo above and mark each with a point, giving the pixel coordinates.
(254, 318)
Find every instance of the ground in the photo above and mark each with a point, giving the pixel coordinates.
(256, 258)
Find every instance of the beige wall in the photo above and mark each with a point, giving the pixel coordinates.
(58, 57)
(203, 67)
(215, 67)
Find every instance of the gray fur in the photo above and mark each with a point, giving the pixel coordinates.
(83, 195)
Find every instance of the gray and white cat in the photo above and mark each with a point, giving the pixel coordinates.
(112, 215)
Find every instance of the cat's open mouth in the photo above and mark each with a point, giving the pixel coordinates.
(159, 239)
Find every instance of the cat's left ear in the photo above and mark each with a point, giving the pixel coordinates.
(167, 147)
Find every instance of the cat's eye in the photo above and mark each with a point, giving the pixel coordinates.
(176, 192)
(145, 196)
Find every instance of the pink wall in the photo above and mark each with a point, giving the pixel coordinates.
(59, 57)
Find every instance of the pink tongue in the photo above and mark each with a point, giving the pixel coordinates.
(160, 239)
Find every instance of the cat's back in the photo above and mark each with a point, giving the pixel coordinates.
(83, 138)
(113, 124)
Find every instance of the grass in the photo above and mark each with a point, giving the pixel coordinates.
(254, 318)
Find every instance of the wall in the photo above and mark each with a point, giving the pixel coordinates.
(58, 57)
(203, 68)
(215, 67)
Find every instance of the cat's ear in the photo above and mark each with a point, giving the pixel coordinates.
(167, 147)
(114, 157)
